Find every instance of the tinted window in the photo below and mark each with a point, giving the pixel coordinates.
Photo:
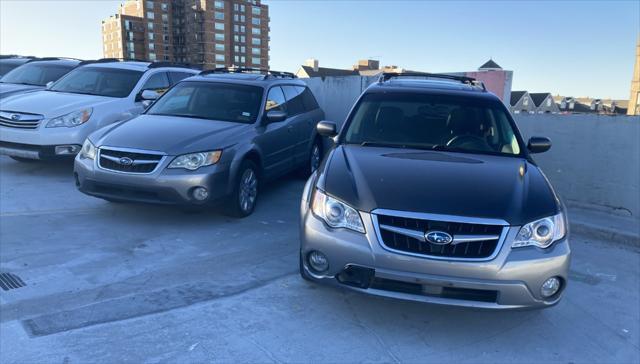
(157, 82)
(7, 66)
(295, 104)
(309, 100)
(38, 74)
(275, 100)
(209, 100)
(101, 81)
(176, 77)
(432, 122)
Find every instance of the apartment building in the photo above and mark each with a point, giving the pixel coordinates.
(208, 33)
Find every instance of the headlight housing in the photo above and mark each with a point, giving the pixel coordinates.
(88, 150)
(542, 233)
(193, 161)
(335, 213)
(71, 119)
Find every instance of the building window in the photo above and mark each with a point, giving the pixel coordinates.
(548, 102)
(256, 41)
(150, 25)
(220, 37)
(164, 6)
(255, 21)
(219, 4)
(219, 47)
(219, 26)
(152, 56)
(256, 60)
(242, 8)
(152, 46)
(165, 18)
(149, 5)
(255, 51)
(256, 10)
(151, 35)
(255, 31)
(150, 15)
(219, 15)
(525, 102)
(219, 57)
(165, 38)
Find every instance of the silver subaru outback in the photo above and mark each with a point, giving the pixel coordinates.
(213, 138)
(430, 194)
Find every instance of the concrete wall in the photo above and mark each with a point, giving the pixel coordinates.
(595, 160)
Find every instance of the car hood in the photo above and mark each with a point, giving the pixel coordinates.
(437, 182)
(52, 104)
(169, 134)
(7, 89)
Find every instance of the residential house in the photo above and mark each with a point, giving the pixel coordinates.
(311, 68)
(544, 103)
(569, 104)
(521, 102)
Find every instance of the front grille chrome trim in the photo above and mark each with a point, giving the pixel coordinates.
(447, 218)
(159, 162)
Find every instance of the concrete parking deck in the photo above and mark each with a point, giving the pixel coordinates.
(135, 283)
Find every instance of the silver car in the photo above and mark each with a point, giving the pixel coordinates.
(212, 138)
(430, 194)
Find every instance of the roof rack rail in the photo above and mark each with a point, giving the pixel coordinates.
(170, 64)
(265, 72)
(386, 76)
(35, 59)
(5, 56)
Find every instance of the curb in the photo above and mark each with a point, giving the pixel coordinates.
(626, 238)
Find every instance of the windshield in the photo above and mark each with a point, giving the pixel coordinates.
(36, 74)
(409, 120)
(210, 100)
(101, 81)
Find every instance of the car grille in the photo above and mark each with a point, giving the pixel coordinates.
(128, 161)
(20, 120)
(471, 240)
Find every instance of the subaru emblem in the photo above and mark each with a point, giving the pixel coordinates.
(15, 117)
(438, 237)
(126, 161)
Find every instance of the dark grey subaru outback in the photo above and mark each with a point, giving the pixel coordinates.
(211, 138)
(430, 194)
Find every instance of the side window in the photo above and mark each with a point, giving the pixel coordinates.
(309, 100)
(295, 105)
(176, 77)
(275, 100)
(158, 82)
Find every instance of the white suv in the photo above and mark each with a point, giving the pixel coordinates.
(55, 122)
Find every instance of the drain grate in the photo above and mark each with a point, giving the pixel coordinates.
(10, 281)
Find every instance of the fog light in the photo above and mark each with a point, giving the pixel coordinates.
(200, 193)
(318, 261)
(550, 287)
(67, 149)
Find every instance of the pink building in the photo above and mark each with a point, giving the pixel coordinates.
(495, 79)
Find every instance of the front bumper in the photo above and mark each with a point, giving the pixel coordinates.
(163, 186)
(43, 143)
(511, 280)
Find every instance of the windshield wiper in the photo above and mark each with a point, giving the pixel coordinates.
(380, 144)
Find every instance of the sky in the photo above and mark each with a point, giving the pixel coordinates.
(564, 47)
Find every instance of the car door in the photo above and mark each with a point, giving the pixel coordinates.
(276, 138)
(300, 120)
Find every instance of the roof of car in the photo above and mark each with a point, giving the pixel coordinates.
(246, 78)
(56, 61)
(135, 65)
(432, 86)
(15, 60)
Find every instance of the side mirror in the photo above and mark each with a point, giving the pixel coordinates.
(327, 129)
(538, 144)
(275, 116)
(48, 85)
(149, 95)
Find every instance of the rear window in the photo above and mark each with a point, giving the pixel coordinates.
(453, 123)
(101, 81)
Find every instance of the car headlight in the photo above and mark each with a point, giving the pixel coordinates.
(71, 119)
(335, 213)
(542, 233)
(193, 161)
(88, 150)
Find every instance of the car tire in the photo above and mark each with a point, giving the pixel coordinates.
(303, 273)
(23, 160)
(244, 197)
(314, 159)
